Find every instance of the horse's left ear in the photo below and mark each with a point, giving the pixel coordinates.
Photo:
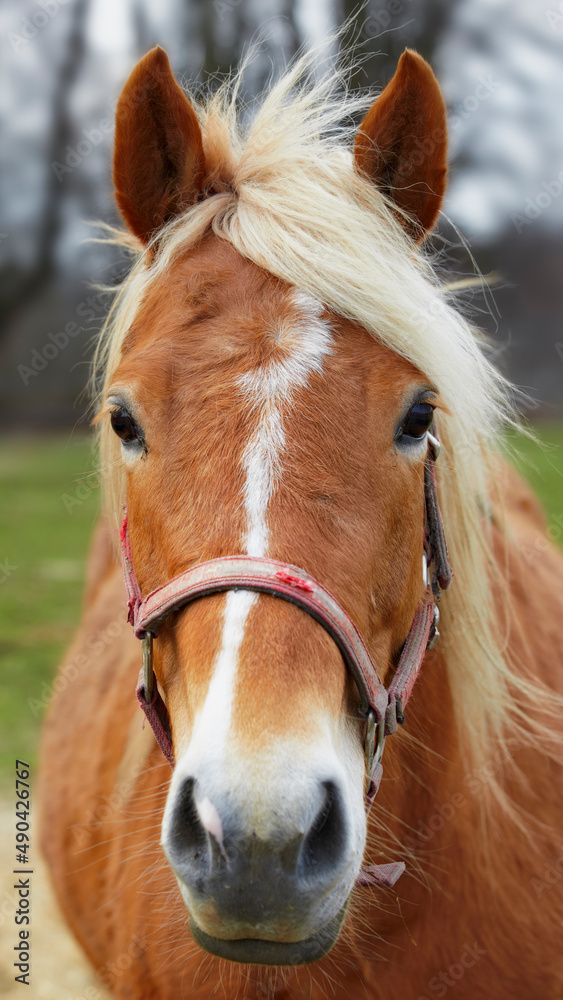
(402, 144)
(158, 162)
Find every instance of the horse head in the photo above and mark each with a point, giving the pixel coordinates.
(256, 420)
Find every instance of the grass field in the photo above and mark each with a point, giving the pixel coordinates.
(49, 501)
(48, 507)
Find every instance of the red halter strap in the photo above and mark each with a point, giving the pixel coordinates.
(382, 708)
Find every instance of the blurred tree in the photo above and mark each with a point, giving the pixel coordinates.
(67, 77)
(18, 286)
(382, 29)
(141, 28)
(229, 27)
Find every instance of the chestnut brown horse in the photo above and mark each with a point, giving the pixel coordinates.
(267, 385)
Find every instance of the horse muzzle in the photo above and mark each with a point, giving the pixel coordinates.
(275, 899)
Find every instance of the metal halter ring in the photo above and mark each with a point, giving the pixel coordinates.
(148, 675)
(374, 742)
(433, 445)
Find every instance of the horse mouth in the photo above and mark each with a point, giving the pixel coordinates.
(255, 951)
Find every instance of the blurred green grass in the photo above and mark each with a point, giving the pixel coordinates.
(542, 466)
(49, 502)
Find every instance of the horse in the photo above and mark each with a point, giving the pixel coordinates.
(277, 374)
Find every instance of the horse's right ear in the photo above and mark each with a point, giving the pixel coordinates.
(158, 162)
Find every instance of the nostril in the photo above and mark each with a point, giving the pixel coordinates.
(325, 844)
(188, 845)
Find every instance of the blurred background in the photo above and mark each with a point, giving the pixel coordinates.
(63, 65)
(64, 62)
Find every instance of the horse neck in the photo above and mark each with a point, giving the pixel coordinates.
(423, 762)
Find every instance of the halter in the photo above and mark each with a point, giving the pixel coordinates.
(382, 708)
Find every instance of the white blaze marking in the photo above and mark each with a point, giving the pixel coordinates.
(212, 724)
(304, 342)
(271, 390)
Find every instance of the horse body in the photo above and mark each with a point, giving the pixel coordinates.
(491, 918)
(257, 420)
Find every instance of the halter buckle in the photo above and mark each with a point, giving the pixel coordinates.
(374, 742)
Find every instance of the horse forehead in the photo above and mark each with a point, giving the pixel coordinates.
(214, 287)
(215, 308)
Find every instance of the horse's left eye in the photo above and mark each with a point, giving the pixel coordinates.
(419, 419)
(124, 425)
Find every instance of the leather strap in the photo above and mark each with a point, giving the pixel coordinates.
(435, 535)
(282, 580)
(157, 715)
(268, 576)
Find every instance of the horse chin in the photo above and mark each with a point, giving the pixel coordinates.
(255, 951)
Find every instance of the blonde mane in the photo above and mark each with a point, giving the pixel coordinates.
(289, 199)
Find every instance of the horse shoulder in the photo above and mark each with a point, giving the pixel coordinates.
(90, 717)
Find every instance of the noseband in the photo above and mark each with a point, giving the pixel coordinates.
(382, 708)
